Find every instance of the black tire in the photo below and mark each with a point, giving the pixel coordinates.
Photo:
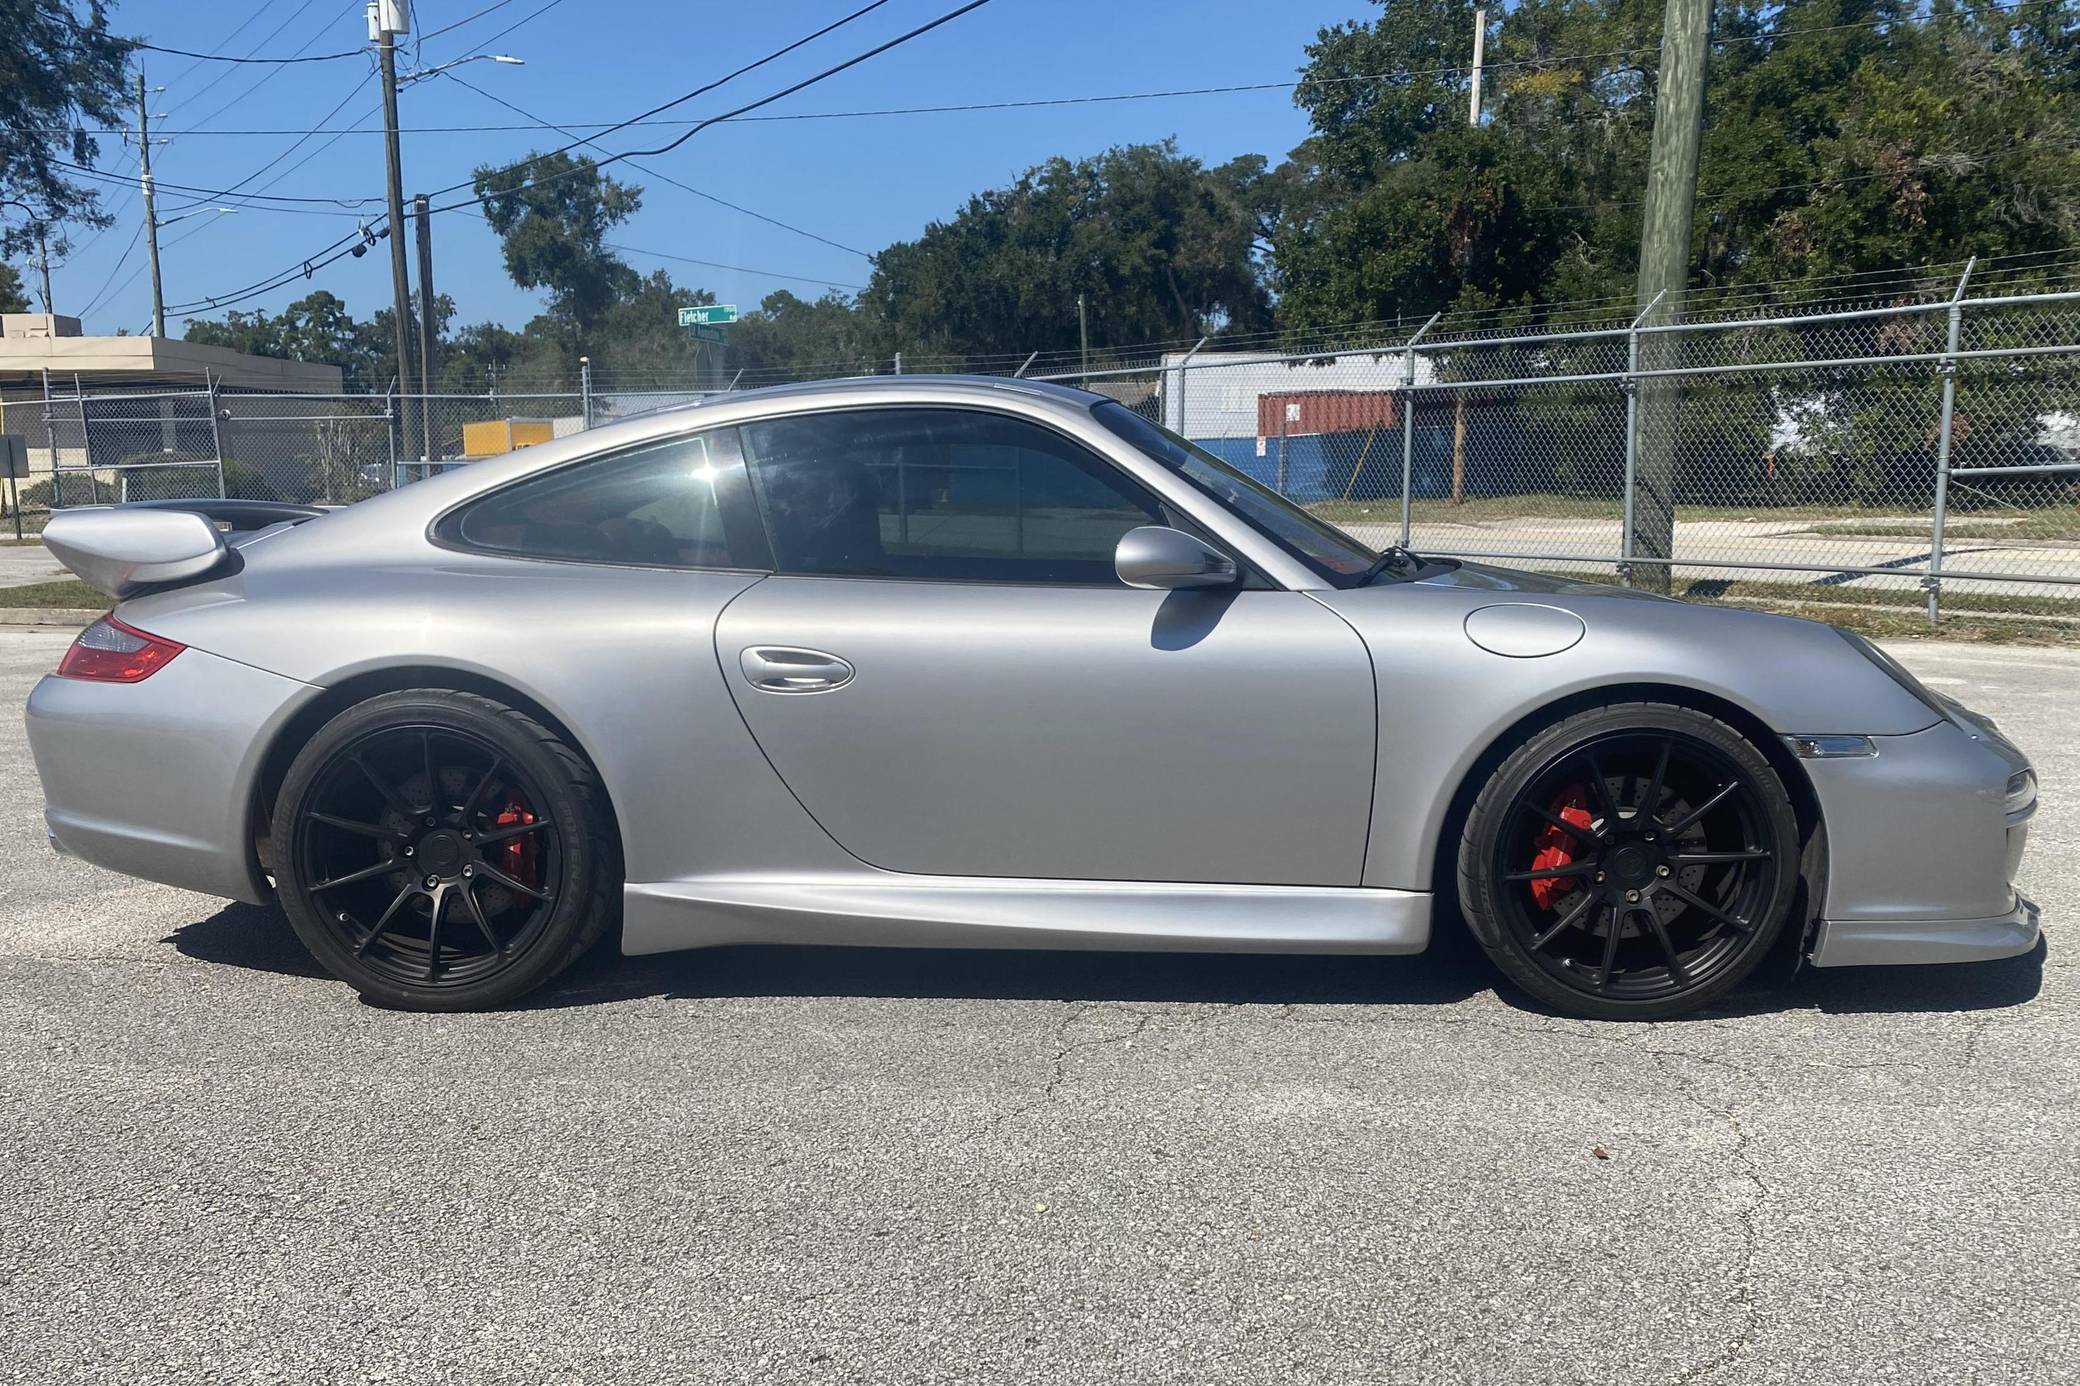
(1604, 905)
(453, 887)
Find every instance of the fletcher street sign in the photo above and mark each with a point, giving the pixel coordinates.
(708, 315)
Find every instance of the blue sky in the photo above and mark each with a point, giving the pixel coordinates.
(859, 182)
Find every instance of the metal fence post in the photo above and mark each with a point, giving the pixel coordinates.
(1630, 385)
(1948, 368)
(1182, 367)
(390, 429)
(50, 438)
(585, 390)
(216, 434)
(1408, 421)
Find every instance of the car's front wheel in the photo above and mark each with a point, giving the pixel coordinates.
(440, 851)
(1634, 861)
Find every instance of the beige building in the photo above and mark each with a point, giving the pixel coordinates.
(144, 395)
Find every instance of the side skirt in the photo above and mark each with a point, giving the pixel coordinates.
(887, 910)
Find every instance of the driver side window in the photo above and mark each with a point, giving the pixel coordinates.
(954, 495)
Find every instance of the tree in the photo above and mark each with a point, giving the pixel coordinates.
(12, 299)
(1158, 246)
(315, 328)
(553, 212)
(59, 75)
(788, 337)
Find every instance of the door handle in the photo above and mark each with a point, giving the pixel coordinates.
(786, 669)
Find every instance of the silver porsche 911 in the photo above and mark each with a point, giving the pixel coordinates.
(986, 663)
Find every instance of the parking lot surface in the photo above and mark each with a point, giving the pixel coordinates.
(810, 1166)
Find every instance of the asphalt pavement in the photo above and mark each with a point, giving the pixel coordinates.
(762, 1165)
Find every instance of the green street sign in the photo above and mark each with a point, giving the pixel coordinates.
(708, 315)
(710, 334)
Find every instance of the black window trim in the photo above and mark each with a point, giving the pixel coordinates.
(444, 530)
(1251, 577)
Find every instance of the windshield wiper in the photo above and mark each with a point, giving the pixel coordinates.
(1392, 556)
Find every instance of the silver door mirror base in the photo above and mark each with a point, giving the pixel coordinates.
(1166, 559)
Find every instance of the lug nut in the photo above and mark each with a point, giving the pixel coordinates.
(469, 870)
(1631, 897)
(1661, 871)
(432, 881)
(432, 822)
(407, 851)
(1599, 875)
(1650, 837)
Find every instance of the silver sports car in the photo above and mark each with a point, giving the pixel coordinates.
(986, 663)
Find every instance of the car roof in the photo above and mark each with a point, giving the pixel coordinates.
(914, 388)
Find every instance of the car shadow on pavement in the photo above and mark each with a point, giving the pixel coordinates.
(1453, 970)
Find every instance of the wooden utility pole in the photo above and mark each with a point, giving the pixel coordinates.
(381, 18)
(151, 215)
(1664, 271)
(422, 212)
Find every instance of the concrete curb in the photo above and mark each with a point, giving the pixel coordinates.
(48, 616)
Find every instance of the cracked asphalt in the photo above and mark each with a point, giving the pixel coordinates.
(763, 1165)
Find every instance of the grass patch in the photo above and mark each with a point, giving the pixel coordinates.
(66, 594)
(2047, 526)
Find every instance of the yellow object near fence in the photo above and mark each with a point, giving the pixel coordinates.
(495, 436)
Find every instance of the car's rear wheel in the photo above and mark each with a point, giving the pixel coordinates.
(440, 851)
(1635, 861)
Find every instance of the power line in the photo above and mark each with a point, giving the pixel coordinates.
(728, 77)
(128, 251)
(527, 19)
(469, 19)
(200, 91)
(740, 269)
(352, 92)
(99, 175)
(659, 173)
(964, 108)
(221, 58)
(333, 253)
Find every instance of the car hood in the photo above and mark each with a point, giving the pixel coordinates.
(1524, 640)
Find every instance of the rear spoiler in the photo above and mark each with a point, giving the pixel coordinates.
(149, 546)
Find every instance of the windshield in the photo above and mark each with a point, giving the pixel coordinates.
(1330, 552)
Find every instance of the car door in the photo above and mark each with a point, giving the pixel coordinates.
(950, 677)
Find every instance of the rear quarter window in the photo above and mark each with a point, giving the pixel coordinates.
(677, 503)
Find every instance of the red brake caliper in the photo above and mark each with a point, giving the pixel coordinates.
(1556, 848)
(521, 857)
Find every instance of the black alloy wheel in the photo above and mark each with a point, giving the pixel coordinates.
(1631, 862)
(439, 851)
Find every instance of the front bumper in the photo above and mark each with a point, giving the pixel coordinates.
(1923, 849)
(156, 779)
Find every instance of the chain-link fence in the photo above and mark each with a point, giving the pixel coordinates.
(1911, 454)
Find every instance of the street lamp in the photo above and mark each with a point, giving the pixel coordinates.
(407, 78)
(197, 212)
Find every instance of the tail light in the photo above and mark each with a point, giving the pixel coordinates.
(110, 652)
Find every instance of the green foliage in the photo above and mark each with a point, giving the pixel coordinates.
(1158, 245)
(315, 328)
(61, 73)
(827, 335)
(1849, 136)
(553, 212)
(1857, 135)
(12, 299)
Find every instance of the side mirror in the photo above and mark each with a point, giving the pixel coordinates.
(1167, 559)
